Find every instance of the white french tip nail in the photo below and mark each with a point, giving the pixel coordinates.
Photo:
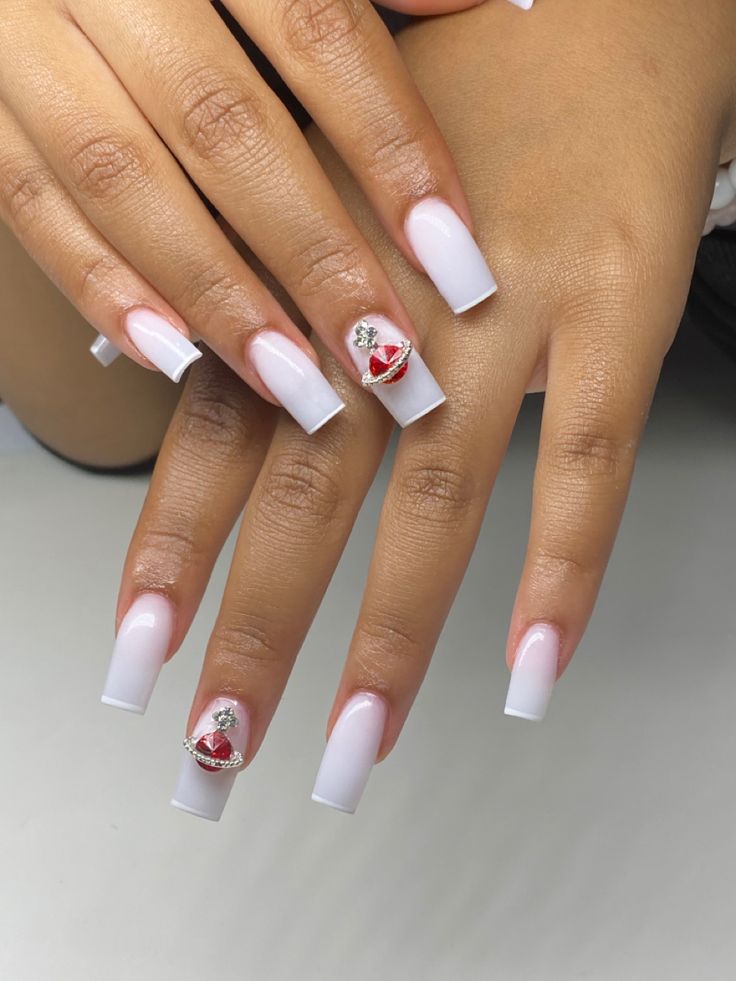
(534, 673)
(294, 380)
(351, 753)
(161, 343)
(105, 351)
(524, 4)
(449, 254)
(414, 392)
(140, 650)
(202, 792)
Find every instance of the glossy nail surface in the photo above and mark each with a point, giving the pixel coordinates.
(534, 673)
(294, 380)
(449, 254)
(104, 351)
(140, 649)
(221, 733)
(160, 342)
(413, 392)
(351, 753)
(524, 4)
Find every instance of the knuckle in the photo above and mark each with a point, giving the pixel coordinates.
(384, 639)
(320, 30)
(396, 149)
(435, 492)
(587, 452)
(164, 552)
(605, 275)
(302, 489)
(207, 292)
(325, 263)
(557, 565)
(23, 194)
(92, 274)
(104, 167)
(220, 117)
(212, 419)
(246, 640)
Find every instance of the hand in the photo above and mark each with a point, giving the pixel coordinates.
(109, 110)
(592, 174)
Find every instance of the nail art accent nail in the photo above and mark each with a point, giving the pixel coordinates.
(294, 380)
(140, 649)
(534, 673)
(104, 351)
(388, 363)
(393, 370)
(449, 254)
(351, 753)
(212, 753)
(160, 342)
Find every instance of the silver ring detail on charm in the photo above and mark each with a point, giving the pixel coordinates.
(368, 379)
(224, 719)
(235, 758)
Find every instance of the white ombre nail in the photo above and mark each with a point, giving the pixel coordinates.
(160, 342)
(104, 351)
(524, 4)
(410, 395)
(449, 254)
(294, 380)
(140, 650)
(204, 792)
(351, 753)
(534, 673)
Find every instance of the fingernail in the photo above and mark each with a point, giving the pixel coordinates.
(351, 753)
(449, 253)
(161, 342)
(105, 351)
(141, 647)
(534, 673)
(381, 351)
(524, 4)
(294, 380)
(213, 755)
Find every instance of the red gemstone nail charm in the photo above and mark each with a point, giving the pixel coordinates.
(384, 358)
(388, 362)
(213, 750)
(214, 745)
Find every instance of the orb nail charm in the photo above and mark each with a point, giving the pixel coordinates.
(388, 362)
(213, 750)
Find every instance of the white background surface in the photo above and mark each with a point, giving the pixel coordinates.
(600, 845)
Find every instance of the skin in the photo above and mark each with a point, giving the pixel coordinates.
(590, 176)
(110, 111)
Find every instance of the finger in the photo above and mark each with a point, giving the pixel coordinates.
(133, 191)
(83, 265)
(293, 532)
(602, 374)
(247, 154)
(341, 62)
(212, 453)
(431, 516)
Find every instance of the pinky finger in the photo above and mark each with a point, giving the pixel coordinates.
(596, 405)
(129, 314)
